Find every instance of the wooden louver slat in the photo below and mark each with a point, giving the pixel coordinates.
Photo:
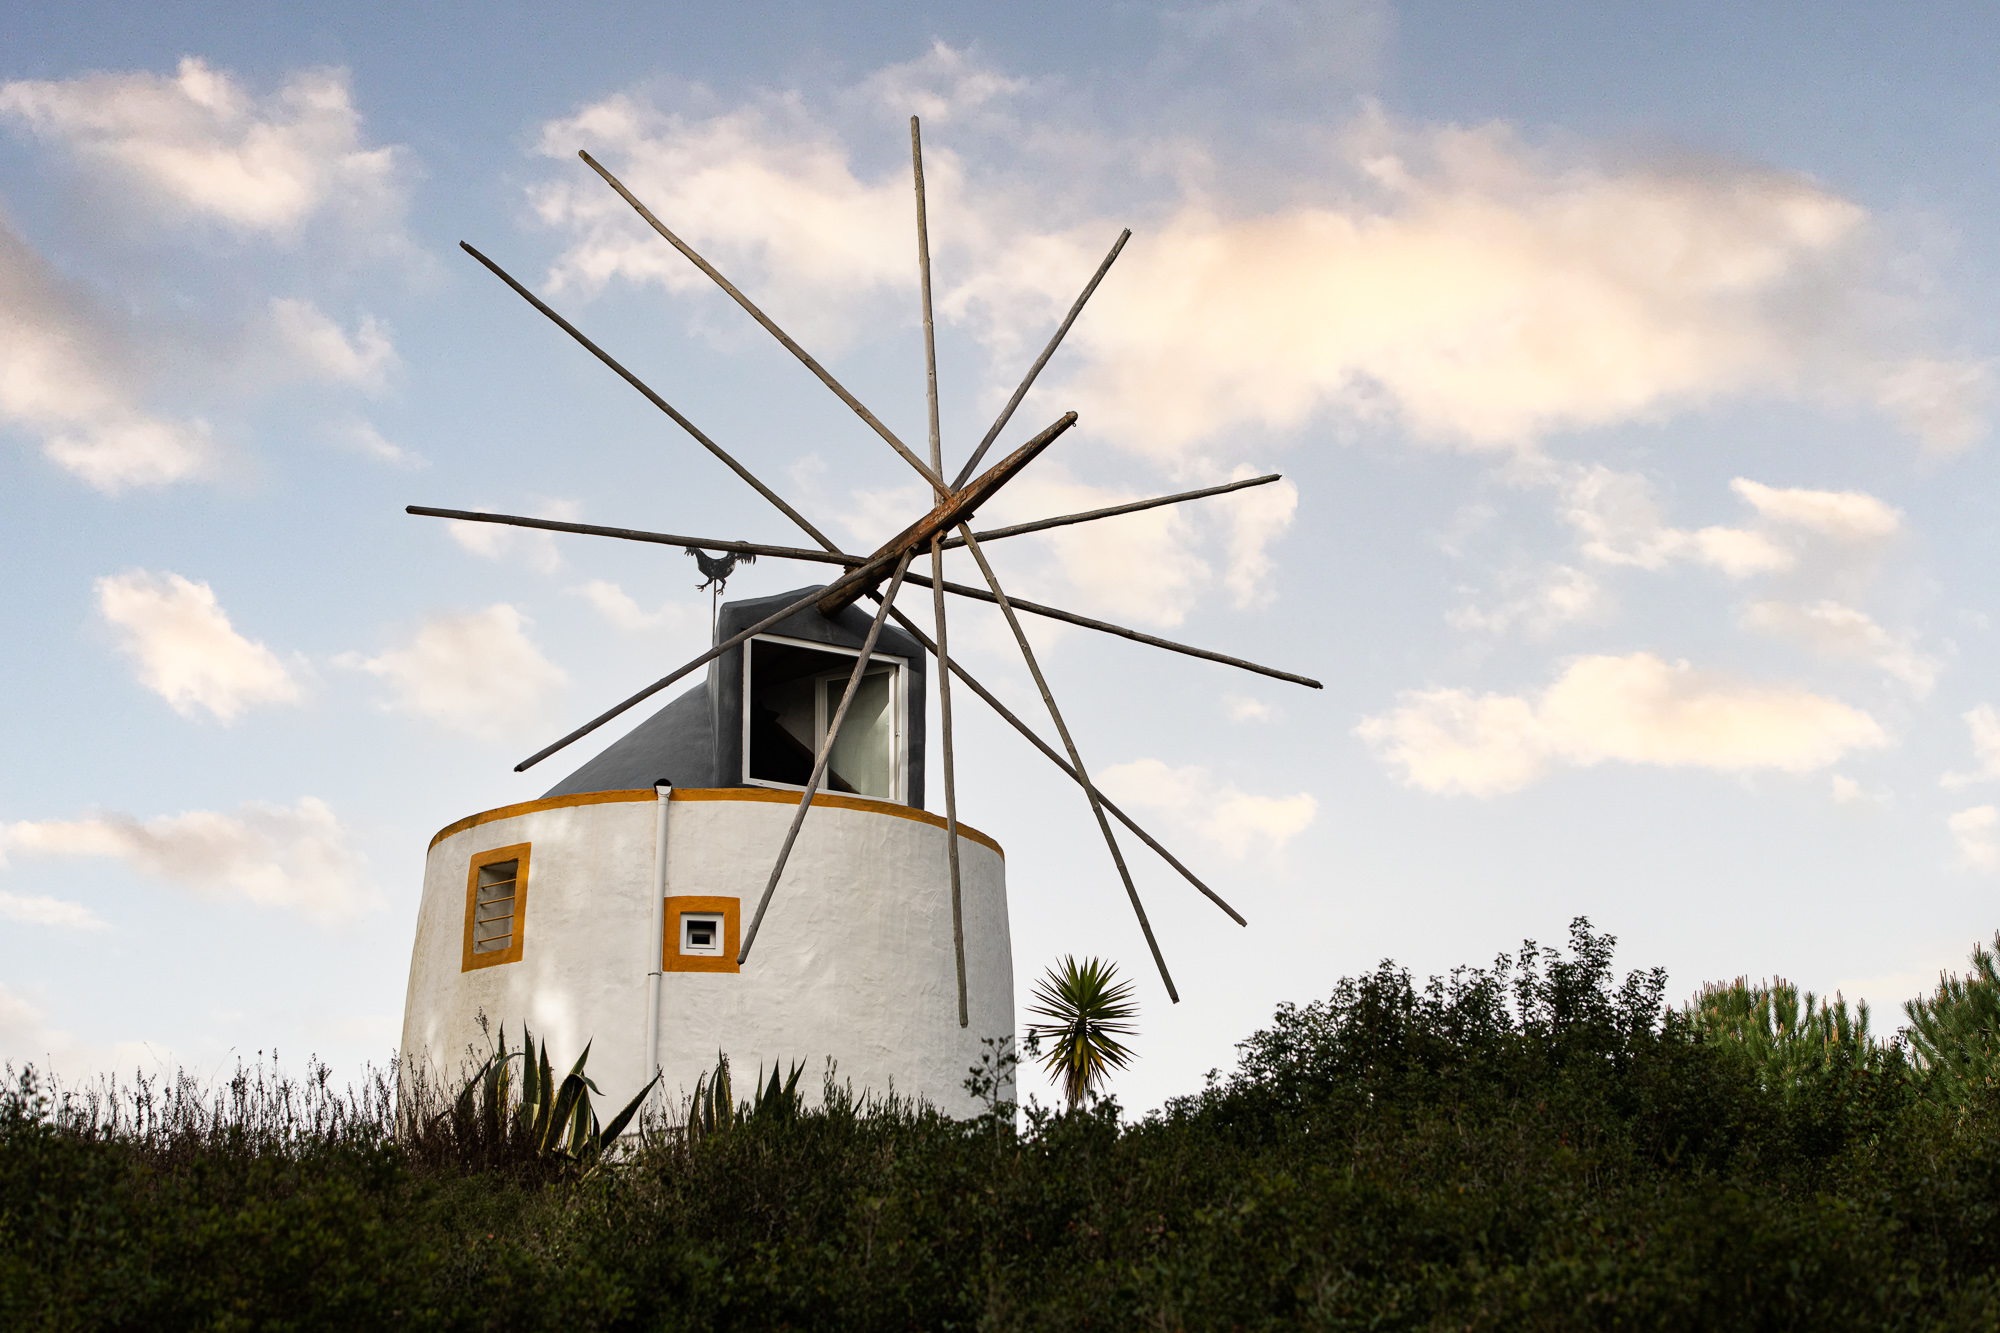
(493, 911)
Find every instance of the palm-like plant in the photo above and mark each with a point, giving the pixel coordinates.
(1086, 1013)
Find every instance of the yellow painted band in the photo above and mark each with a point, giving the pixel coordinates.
(765, 794)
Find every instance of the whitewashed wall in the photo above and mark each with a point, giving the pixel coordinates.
(854, 960)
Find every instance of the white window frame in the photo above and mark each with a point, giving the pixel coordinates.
(899, 693)
(715, 919)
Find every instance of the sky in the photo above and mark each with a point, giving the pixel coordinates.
(1630, 368)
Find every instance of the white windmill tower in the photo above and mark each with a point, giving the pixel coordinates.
(623, 906)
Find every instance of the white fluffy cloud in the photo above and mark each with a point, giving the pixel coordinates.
(298, 858)
(1257, 518)
(199, 144)
(1559, 595)
(1973, 830)
(497, 541)
(1237, 821)
(1836, 630)
(1636, 709)
(618, 606)
(1850, 517)
(324, 350)
(184, 648)
(1982, 725)
(39, 911)
(1619, 522)
(1245, 708)
(69, 375)
(479, 673)
(1457, 281)
(27, 1036)
(362, 437)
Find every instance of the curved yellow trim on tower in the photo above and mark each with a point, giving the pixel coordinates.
(836, 802)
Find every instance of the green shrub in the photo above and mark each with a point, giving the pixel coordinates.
(1536, 1144)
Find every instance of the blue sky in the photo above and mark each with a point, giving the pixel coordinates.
(1630, 369)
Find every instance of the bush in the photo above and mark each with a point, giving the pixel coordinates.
(1534, 1144)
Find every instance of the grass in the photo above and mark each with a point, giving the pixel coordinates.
(1534, 1144)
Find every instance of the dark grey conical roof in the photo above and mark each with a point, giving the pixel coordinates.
(677, 743)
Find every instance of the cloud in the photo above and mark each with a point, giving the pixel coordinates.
(199, 145)
(765, 193)
(1563, 595)
(496, 541)
(185, 649)
(1480, 293)
(364, 438)
(1983, 725)
(1943, 403)
(479, 673)
(69, 376)
(35, 911)
(324, 350)
(617, 606)
(1851, 517)
(1835, 630)
(941, 85)
(28, 1037)
(1237, 821)
(298, 858)
(1143, 567)
(1619, 522)
(1456, 281)
(1243, 708)
(1258, 516)
(1636, 709)
(1973, 830)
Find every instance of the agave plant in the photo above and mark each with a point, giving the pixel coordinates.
(1088, 1015)
(714, 1109)
(550, 1120)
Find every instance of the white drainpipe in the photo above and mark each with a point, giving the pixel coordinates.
(657, 948)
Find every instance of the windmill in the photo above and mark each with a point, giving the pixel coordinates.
(946, 526)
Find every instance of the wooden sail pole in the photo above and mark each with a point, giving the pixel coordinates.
(937, 577)
(1075, 759)
(1008, 716)
(770, 325)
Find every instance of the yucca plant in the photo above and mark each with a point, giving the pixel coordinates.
(1087, 1014)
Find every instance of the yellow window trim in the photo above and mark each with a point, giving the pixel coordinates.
(480, 860)
(731, 911)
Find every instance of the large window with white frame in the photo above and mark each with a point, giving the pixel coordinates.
(791, 690)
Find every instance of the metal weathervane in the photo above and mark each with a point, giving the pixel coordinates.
(862, 576)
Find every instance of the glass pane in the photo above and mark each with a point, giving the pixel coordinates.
(863, 756)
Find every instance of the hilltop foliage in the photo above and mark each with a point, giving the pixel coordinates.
(1535, 1144)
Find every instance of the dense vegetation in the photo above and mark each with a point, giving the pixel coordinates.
(1536, 1144)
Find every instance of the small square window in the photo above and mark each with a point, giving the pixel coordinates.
(701, 934)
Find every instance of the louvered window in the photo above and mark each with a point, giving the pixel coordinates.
(496, 907)
(493, 907)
